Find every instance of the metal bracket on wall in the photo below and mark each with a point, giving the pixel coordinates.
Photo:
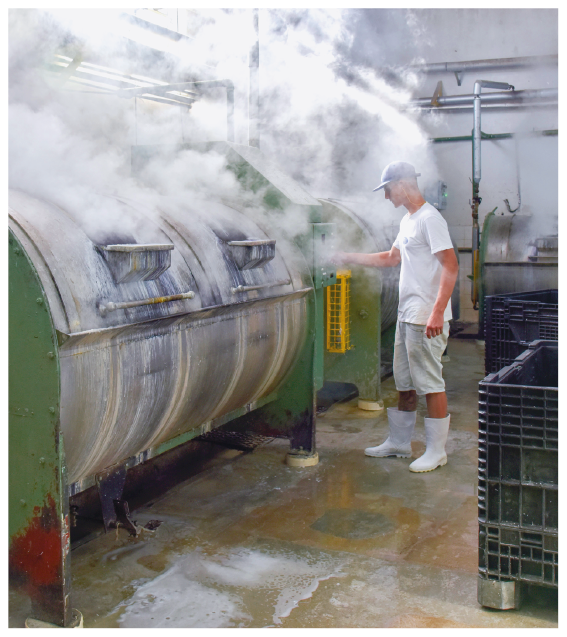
(437, 94)
(459, 76)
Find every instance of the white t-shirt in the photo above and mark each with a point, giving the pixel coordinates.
(421, 235)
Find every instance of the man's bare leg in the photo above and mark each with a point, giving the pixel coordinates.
(407, 400)
(436, 405)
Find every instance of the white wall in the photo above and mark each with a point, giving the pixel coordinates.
(452, 35)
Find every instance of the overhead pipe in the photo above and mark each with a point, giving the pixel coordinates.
(494, 63)
(498, 108)
(511, 97)
(458, 68)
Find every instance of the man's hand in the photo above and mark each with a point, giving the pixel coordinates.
(434, 325)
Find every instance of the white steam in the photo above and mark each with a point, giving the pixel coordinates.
(331, 118)
(73, 148)
(327, 116)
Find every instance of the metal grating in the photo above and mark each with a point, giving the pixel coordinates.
(338, 313)
(244, 441)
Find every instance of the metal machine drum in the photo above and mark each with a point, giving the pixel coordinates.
(515, 257)
(165, 319)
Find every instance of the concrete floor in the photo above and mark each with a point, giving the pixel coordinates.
(351, 542)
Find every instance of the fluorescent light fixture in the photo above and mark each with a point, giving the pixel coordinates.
(149, 79)
(80, 80)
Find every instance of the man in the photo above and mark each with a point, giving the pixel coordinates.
(427, 278)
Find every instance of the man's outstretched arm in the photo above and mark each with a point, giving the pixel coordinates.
(376, 260)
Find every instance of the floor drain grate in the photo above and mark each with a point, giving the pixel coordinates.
(235, 440)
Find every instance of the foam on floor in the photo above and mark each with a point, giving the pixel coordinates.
(212, 591)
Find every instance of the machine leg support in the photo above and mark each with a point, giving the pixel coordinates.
(115, 511)
(301, 459)
(123, 518)
(497, 594)
(370, 405)
(302, 442)
(76, 621)
(110, 484)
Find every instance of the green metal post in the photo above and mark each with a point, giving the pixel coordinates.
(39, 518)
(324, 275)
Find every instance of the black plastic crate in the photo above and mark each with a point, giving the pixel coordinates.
(513, 319)
(513, 554)
(518, 468)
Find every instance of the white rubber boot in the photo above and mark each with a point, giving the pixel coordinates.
(436, 431)
(398, 443)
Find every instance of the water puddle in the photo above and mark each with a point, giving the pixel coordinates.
(353, 525)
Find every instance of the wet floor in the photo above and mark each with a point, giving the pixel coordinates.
(352, 542)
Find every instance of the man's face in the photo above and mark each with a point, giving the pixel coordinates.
(395, 193)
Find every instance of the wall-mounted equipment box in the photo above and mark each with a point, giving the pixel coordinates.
(436, 194)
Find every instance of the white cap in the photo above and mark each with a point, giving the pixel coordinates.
(395, 171)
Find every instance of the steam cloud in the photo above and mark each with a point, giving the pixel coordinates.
(340, 124)
(327, 117)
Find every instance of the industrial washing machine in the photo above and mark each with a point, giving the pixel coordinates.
(132, 336)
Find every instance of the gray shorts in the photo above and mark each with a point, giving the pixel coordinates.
(417, 359)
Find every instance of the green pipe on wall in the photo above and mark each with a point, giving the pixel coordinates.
(468, 138)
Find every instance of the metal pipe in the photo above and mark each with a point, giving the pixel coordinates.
(506, 201)
(230, 114)
(478, 86)
(476, 140)
(496, 108)
(104, 308)
(254, 88)
(482, 65)
(461, 138)
(508, 97)
(248, 288)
